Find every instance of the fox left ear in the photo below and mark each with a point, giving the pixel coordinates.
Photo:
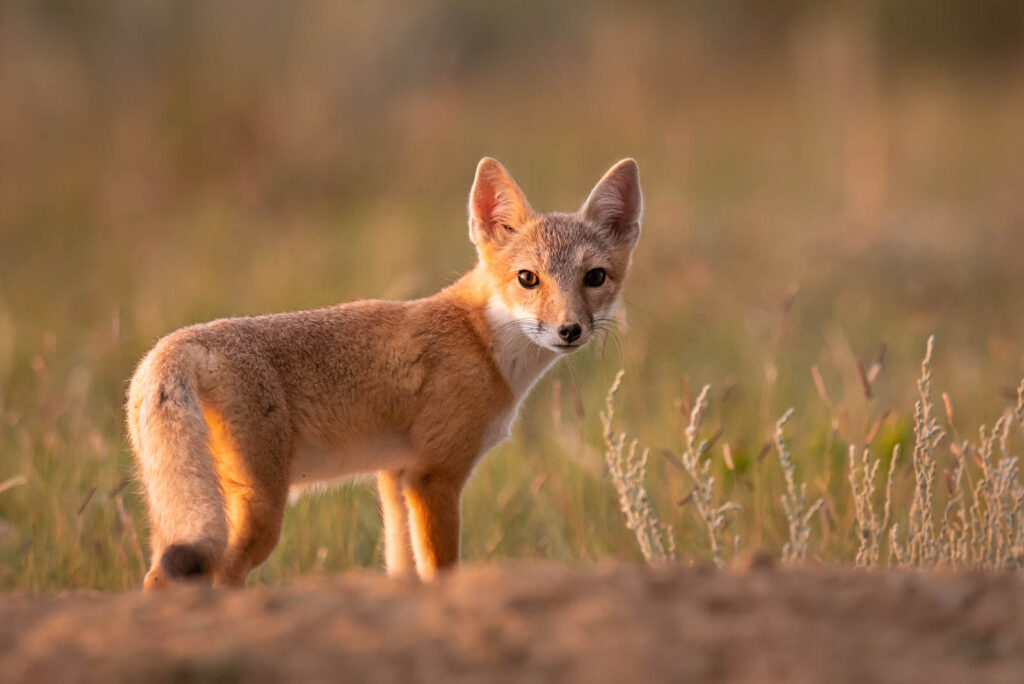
(615, 204)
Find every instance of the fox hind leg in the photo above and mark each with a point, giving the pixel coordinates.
(255, 515)
(251, 458)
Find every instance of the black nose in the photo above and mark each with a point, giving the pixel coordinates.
(570, 333)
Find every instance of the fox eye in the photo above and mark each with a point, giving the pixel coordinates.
(594, 277)
(528, 279)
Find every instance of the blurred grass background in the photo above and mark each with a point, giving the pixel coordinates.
(820, 178)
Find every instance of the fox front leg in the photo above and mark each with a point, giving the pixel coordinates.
(433, 502)
(398, 558)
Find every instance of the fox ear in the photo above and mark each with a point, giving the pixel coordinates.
(496, 204)
(615, 204)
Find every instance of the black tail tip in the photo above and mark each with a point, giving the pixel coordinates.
(184, 562)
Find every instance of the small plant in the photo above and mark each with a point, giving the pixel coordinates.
(699, 469)
(628, 471)
(982, 525)
(923, 547)
(870, 527)
(794, 500)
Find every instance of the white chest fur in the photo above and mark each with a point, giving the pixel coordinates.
(521, 360)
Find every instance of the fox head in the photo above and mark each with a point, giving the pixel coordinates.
(557, 277)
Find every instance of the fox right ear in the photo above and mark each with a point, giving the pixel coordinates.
(497, 206)
(615, 204)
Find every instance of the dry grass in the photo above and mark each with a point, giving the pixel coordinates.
(982, 520)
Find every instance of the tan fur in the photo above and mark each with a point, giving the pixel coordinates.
(225, 416)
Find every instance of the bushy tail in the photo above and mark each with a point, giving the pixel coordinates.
(170, 438)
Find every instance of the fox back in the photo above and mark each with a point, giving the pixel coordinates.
(225, 417)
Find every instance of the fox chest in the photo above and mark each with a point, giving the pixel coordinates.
(498, 430)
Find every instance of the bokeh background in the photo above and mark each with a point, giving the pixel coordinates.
(821, 179)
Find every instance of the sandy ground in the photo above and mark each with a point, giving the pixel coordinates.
(534, 622)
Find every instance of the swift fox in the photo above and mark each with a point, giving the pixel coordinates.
(226, 416)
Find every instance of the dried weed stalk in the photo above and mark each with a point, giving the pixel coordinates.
(922, 545)
(699, 469)
(627, 471)
(995, 516)
(794, 500)
(982, 525)
(870, 528)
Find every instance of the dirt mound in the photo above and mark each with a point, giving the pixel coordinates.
(534, 622)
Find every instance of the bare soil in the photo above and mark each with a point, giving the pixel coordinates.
(534, 622)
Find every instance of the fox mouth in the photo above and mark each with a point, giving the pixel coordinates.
(566, 348)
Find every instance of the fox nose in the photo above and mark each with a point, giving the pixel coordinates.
(570, 333)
